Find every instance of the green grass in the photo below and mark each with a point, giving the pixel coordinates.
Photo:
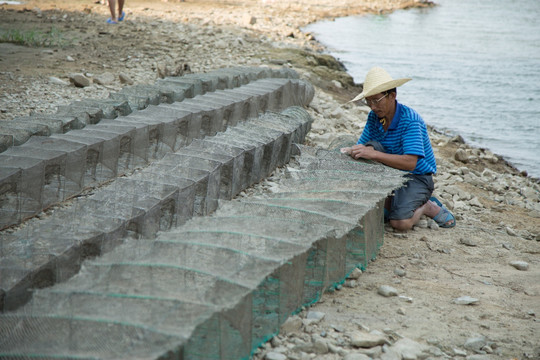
(35, 38)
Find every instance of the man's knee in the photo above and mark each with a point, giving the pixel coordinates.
(402, 225)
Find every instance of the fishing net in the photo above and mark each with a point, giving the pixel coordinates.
(169, 262)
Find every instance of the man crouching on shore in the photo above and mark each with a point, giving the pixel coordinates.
(396, 136)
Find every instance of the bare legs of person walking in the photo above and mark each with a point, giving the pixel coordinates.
(112, 7)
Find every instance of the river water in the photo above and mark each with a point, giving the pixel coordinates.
(475, 66)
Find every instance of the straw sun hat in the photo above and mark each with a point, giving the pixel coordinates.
(378, 81)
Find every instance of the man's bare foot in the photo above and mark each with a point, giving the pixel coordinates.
(437, 213)
(431, 209)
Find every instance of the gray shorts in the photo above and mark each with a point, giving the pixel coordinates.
(413, 194)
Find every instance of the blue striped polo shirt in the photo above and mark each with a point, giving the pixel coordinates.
(407, 135)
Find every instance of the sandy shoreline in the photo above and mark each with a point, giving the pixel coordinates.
(498, 209)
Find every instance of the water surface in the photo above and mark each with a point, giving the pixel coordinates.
(475, 67)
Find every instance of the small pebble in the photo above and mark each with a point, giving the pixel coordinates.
(387, 291)
(459, 352)
(511, 231)
(406, 298)
(432, 224)
(355, 274)
(400, 272)
(275, 356)
(422, 223)
(468, 242)
(465, 300)
(520, 265)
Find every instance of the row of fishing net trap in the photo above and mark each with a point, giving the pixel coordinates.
(176, 260)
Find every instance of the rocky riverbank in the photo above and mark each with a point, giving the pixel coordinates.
(467, 292)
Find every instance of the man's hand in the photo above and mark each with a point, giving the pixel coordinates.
(362, 151)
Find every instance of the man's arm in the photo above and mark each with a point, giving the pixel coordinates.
(401, 162)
